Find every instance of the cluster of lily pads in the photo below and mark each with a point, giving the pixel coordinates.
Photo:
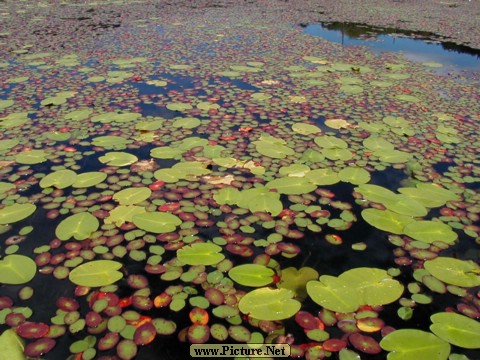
(193, 196)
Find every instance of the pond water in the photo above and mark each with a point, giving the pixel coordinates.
(414, 45)
(200, 180)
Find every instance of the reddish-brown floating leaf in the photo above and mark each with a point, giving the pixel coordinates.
(307, 320)
(198, 316)
(169, 207)
(39, 347)
(31, 330)
(67, 304)
(333, 239)
(370, 324)
(334, 345)
(155, 269)
(162, 300)
(5, 302)
(93, 319)
(215, 296)
(364, 343)
(288, 248)
(108, 341)
(347, 326)
(241, 250)
(145, 334)
(469, 311)
(125, 302)
(126, 349)
(81, 290)
(423, 254)
(198, 334)
(14, 319)
(43, 259)
(142, 302)
(137, 281)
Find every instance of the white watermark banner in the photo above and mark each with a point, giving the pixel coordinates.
(234, 350)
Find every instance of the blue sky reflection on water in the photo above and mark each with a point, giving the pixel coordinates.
(414, 49)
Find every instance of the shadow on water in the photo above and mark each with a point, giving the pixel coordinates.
(417, 46)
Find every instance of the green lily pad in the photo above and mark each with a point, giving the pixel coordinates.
(330, 142)
(353, 288)
(296, 280)
(409, 98)
(291, 185)
(116, 158)
(375, 193)
(80, 114)
(412, 344)
(111, 142)
(187, 123)
(4, 187)
(294, 170)
(165, 152)
(453, 271)
(200, 254)
(207, 105)
(337, 154)
(269, 304)
(31, 157)
(396, 121)
(456, 329)
(58, 136)
(96, 273)
(17, 269)
(306, 129)
(79, 226)
(312, 156)
(7, 144)
(227, 195)
(430, 231)
(322, 177)
(157, 222)
(178, 106)
(59, 179)
(16, 212)
(393, 156)
(11, 346)
(375, 143)
(168, 175)
(405, 205)
(273, 150)
(261, 199)
(122, 214)
(132, 196)
(254, 275)
(429, 195)
(89, 179)
(351, 89)
(386, 220)
(191, 168)
(149, 125)
(213, 151)
(354, 175)
(6, 103)
(191, 142)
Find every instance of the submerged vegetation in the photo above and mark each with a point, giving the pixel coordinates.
(196, 178)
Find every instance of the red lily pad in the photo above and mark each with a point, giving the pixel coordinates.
(364, 343)
(39, 347)
(31, 330)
